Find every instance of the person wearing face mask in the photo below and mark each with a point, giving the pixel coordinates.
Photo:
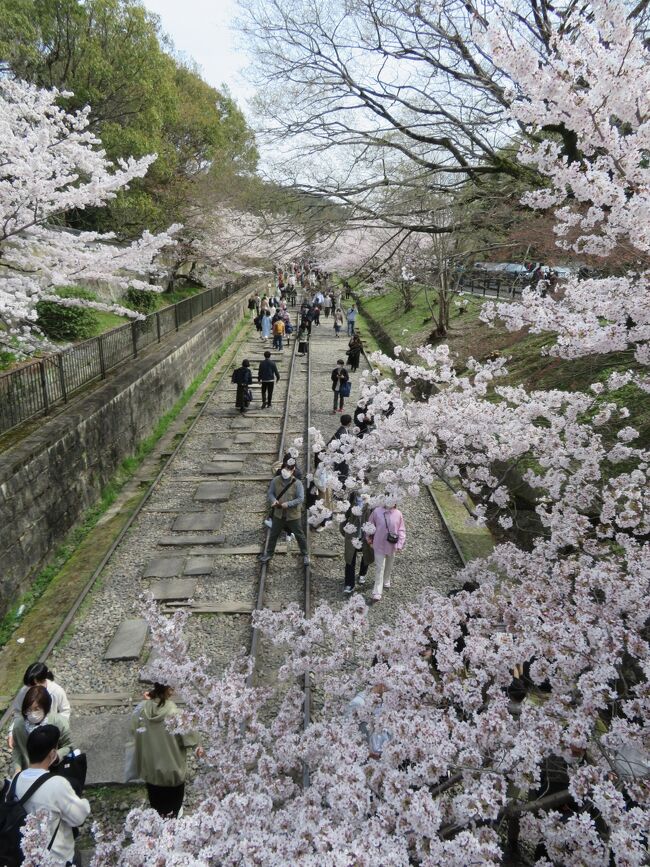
(388, 539)
(36, 710)
(340, 377)
(51, 793)
(38, 674)
(286, 495)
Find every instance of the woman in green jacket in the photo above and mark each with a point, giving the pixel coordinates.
(36, 711)
(161, 756)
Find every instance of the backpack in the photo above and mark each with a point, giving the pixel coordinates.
(12, 818)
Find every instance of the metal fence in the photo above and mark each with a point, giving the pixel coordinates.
(39, 385)
(491, 285)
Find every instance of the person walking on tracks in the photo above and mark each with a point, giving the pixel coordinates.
(352, 318)
(268, 374)
(243, 379)
(278, 333)
(38, 790)
(266, 324)
(338, 321)
(340, 386)
(303, 339)
(387, 540)
(286, 495)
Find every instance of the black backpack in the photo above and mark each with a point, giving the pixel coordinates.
(12, 819)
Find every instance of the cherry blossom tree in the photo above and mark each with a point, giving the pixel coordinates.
(516, 710)
(51, 162)
(595, 85)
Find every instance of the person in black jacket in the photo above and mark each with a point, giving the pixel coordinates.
(243, 378)
(341, 467)
(340, 376)
(354, 352)
(268, 374)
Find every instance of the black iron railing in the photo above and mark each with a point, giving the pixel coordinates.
(492, 285)
(36, 387)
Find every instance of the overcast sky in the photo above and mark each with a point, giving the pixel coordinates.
(201, 29)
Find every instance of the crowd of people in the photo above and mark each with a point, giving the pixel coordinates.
(286, 494)
(272, 319)
(49, 773)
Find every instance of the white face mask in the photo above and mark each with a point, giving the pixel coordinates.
(35, 717)
(286, 474)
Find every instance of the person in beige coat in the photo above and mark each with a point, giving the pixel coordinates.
(36, 710)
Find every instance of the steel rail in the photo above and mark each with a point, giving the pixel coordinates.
(259, 605)
(261, 590)
(306, 720)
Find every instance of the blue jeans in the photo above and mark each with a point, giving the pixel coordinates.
(350, 327)
(277, 341)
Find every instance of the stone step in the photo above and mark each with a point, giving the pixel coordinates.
(221, 468)
(244, 438)
(196, 539)
(128, 641)
(280, 549)
(163, 567)
(259, 477)
(174, 588)
(198, 566)
(196, 522)
(229, 458)
(207, 607)
(213, 492)
(101, 699)
(102, 737)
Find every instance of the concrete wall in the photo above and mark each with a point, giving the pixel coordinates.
(53, 476)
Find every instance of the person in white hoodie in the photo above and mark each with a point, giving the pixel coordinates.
(52, 793)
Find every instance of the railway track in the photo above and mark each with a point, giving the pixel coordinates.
(199, 528)
(193, 540)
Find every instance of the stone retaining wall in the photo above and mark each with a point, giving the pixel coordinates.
(50, 479)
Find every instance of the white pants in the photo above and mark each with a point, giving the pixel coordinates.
(383, 568)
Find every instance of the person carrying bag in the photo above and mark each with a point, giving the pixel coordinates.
(13, 815)
(36, 790)
(286, 495)
(269, 520)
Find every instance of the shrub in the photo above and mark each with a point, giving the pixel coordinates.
(141, 300)
(6, 359)
(67, 323)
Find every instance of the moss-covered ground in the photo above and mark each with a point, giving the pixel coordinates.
(529, 363)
